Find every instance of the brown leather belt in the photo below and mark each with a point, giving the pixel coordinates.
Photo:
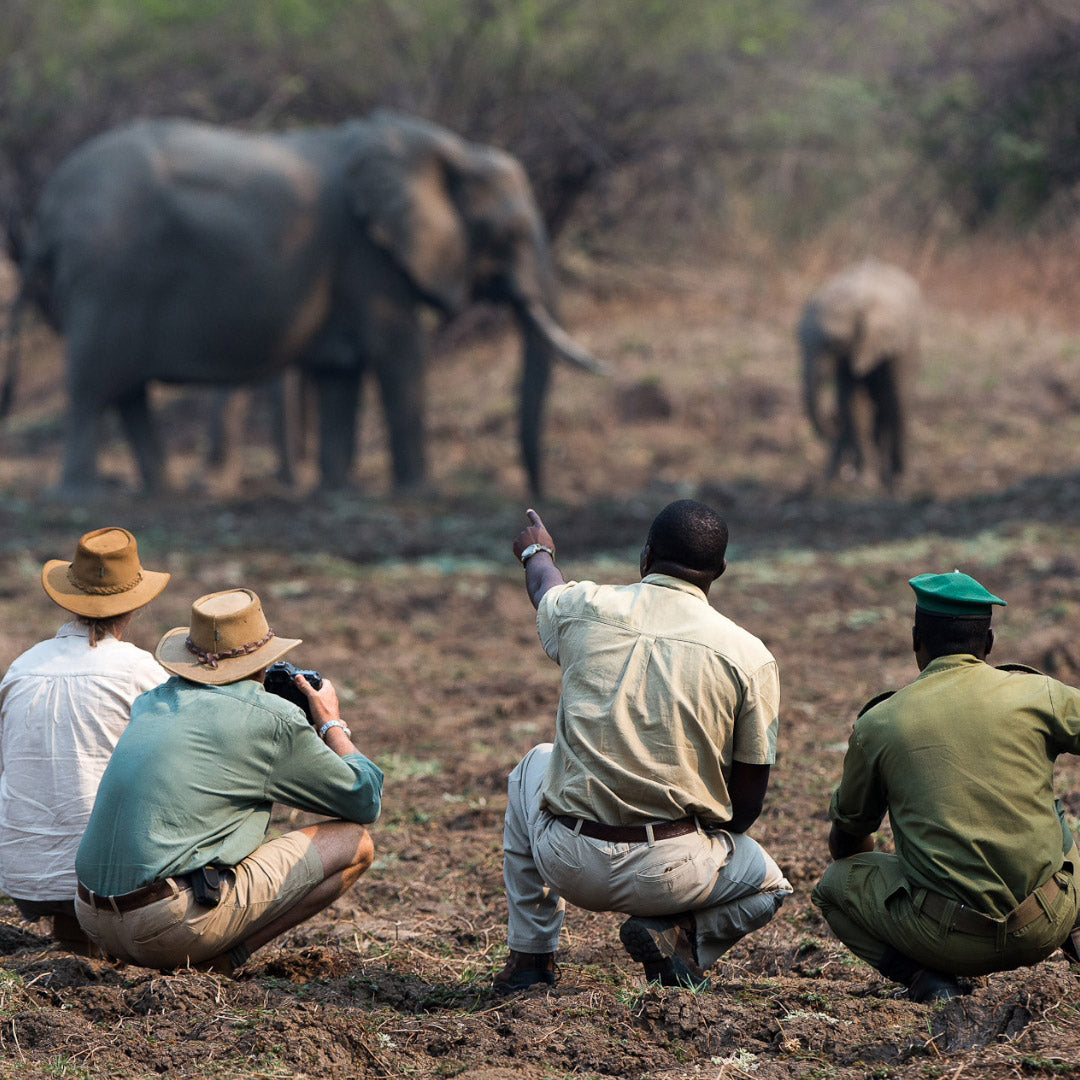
(628, 834)
(137, 898)
(969, 921)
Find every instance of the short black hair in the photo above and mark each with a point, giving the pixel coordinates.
(691, 534)
(944, 635)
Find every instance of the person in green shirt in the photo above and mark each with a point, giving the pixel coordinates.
(174, 867)
(983, 877)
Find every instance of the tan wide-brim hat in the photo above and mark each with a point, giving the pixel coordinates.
(228, 639)
(104, 579)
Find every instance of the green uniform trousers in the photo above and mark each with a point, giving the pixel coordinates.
(871, 906)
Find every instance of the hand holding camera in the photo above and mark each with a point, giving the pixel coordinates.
(280, 679)
(308, 689)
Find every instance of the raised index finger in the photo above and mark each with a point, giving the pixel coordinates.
(534, 518)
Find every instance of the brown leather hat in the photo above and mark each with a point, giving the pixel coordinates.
(105, 578)
(228, 639)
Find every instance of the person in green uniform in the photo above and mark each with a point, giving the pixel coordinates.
(962, 761)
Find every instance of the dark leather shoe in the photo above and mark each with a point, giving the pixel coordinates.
(927, 986)
(523, 970)
(666, 947)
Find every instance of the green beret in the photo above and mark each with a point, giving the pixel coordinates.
(952, 594)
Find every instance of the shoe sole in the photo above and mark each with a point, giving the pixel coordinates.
(511, 987)
(662, 964)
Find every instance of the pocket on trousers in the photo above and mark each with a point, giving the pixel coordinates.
(665, 885)
(556, 853)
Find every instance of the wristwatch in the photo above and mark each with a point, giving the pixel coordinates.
(532, 549)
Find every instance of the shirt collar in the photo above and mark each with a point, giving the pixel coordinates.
(74, 629)
(953, 660)
(666, 581)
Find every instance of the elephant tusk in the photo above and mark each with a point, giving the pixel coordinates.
(563, 345)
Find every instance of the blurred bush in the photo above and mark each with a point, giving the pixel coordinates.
(998, 112)
(640, 118)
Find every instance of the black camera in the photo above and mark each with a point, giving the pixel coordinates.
(279, 680)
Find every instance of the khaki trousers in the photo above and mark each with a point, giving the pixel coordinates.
(178, 931)
(727, 880)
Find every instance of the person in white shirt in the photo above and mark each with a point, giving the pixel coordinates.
(63, 705)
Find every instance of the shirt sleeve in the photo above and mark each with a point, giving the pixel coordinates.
(859, 804)
(547, 618)
(147, 674)
(310, 776)
(758, 720)
(1065, 705)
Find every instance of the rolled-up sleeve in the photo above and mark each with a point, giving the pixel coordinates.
(310, 776)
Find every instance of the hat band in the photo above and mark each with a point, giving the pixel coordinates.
(210, 659)
(102, 590)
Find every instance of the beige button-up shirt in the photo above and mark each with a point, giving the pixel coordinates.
(660, 694)
(63, 706)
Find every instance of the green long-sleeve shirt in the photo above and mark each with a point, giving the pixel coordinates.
(193, 778)
(962, 759)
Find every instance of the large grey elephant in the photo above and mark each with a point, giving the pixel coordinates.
(184, 253)
(860, 332)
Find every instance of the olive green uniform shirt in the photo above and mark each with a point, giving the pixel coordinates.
(195, 774)
(962, 759)
(660, 694)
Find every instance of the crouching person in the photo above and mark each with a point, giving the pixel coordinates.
(174, 868)
(962, 761)
(63, 705)
(664, 739)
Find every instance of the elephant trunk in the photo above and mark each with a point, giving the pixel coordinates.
(535, 376)
(813, 382)
(541, 325)
(544, 340)
(814, 358)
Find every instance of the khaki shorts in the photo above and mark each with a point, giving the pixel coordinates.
(178, 931)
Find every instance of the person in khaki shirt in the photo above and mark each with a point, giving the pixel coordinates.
(983, 877)
(664, 738)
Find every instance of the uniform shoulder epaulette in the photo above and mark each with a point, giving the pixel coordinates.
(874, 701)
(1020, 667)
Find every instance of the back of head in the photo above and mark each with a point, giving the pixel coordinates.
(952, 614)
(689, 534)
(946, 635)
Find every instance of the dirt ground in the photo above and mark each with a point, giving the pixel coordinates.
(416, 609)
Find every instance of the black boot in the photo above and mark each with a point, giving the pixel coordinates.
(928, 986)
(666, 947)
(522, 970)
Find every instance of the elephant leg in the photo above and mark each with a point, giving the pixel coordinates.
(282, 417)
(846, 442)
(339, 401)
(79, 471)
(143, 437)
(225, 414)
(399, 368)
(888, 422)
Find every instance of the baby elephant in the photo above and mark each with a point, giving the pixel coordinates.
(860, 331)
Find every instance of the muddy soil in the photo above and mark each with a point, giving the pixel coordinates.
(415, 607)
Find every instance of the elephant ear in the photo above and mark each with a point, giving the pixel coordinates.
(399, 187)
